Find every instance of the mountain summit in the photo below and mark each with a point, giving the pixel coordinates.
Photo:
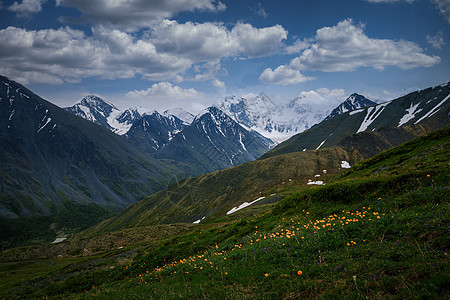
(95, 109)
(215, 141)
(273, 121)
(353, 102)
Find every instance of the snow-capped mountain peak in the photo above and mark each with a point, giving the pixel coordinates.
(181, 114)
(263, 100)
(276, 122)
(353, 102)
(94, 109)
(96, 102)
(100, 111)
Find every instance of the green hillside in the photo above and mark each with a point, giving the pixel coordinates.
(379, 230)
(213, 195)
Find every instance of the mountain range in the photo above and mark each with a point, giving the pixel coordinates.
(262, 122)
(209, 141)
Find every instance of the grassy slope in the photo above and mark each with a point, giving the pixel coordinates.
(212, 195)
(378, 231)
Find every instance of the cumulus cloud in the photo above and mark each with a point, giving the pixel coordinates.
(256, 42)
(322, 98)
(345, 48)
(164, 95)
(335, 93)
(132, 15)
(283, 75)
(165, 90)
(436, 41)
(68, 55)
(26, 7)
(297, 47)
(162, 53)
(210, 41)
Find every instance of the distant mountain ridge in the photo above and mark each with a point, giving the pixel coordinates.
(423, 111)
(279, 123)
(259, 114)
(153, 131)
(176, 134)
(214, 141)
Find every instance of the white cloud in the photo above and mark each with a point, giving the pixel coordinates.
(436, 41)
(283, 75)
(256, 42)
(211, 41)
(132, 15)
(335, 93)
(297, 47)
(259, 10)
(68, 55)
(444, 8)
(249, 95)
(165, 90)
(345, 48)
(164, 95)
(218, 84)
(27, 7)
(165, 52)
(322, 97)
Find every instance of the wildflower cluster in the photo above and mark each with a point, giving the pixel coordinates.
(293, 230)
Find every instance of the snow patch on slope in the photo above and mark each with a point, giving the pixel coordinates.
(317, 182)
(243, 205)
(42, 127)
(410, 114)
(370, 117)
(318, 147)
(345, 165)
(433, 111)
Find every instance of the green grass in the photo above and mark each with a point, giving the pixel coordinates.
(378, 231)
(37, 230)
(14, 274)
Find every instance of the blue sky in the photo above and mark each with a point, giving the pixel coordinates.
(188, 53)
